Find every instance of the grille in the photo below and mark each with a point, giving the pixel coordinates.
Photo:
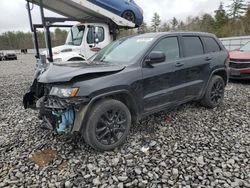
(239, 64)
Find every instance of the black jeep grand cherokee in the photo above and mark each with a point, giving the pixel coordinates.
(130, 78)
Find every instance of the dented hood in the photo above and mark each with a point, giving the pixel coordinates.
(65, 72)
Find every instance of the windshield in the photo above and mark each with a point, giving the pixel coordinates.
(75, 35)
(245, 48)
(122, 51)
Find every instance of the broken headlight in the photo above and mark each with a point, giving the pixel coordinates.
(64, 92)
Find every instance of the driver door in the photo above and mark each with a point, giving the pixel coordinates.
(92, 46)
(161, 81)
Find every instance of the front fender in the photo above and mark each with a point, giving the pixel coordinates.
(84, 111)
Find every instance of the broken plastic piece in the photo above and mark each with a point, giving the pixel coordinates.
(67, 120)
(168, 119)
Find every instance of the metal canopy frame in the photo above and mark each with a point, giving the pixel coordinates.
(47, 23)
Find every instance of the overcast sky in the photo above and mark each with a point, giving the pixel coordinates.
(13, 14)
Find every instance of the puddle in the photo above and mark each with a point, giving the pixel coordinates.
(43, 158)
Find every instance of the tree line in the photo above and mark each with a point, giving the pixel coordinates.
(232, 20)
(21, 40)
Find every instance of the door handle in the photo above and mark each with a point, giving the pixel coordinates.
(208, 58)
(179, 64)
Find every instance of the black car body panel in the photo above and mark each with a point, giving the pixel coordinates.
(145, 87)
(58, 73)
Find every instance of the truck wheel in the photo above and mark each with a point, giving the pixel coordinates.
(108, 125)
(128, 15)
(215, 93)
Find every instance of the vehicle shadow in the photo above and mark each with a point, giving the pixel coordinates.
(244, 82)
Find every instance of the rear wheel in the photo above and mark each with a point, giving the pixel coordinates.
(108, 125)
(215, 92)
(129, 15)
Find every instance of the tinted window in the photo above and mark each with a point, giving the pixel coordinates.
(170, 47)
(211, 45)
(192, 46)
(91, 35)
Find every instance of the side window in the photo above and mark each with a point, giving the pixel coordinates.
(91, 35)
(170, 47)
(192, 46)
(211, 45)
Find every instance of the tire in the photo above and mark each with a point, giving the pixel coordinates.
(108, 125)
(214, 94)
(129, 15)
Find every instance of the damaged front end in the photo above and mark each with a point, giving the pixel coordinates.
(61, 114)
(58, 106)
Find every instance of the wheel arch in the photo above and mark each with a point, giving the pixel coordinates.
(123, 96)
(222, 73)
(217, 72)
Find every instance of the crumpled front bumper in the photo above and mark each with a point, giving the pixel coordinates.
(64, 115)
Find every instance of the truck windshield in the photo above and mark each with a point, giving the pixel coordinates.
(245, 48)
(122, 51)
(75, 35)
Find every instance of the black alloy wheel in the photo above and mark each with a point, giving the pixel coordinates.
(111, 126)
(217, 92)
(108, 125)
(214, 93)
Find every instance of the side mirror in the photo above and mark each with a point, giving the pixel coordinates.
(156, 57)
(96, 35)
(96, 40)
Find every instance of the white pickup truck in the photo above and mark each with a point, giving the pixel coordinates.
(84, 39)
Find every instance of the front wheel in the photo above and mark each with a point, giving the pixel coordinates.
(215, 92)
(108, 125)
(128, 15)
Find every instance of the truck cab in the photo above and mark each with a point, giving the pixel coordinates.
(83, 41)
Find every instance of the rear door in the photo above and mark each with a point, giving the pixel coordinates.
(196, 67)
(161, 81)
(214, 52)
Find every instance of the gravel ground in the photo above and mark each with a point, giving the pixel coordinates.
(188, 147)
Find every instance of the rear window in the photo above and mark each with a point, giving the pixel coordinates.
(192, 46)
(211, 45)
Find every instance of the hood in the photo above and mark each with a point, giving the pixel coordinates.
(61, 49)
(65, 72)
(240, 55)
